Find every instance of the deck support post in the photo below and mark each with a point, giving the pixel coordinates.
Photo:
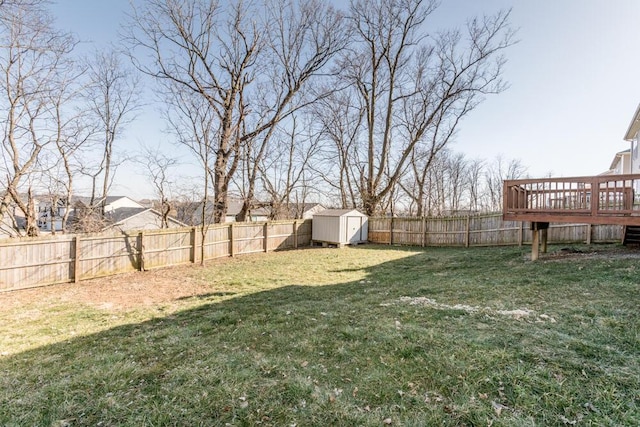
(534, 245)
(538, 228)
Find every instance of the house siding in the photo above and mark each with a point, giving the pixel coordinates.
(144, 221)
(635, 160)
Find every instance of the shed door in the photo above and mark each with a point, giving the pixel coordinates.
(353, 229)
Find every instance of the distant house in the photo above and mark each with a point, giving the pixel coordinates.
(298, 211)
(120, 213)
(621, 164)
(14, 223)
(633, 137)
(257, 214)
(191, 213)
(141, 218)
(7, 229)
(49, 216)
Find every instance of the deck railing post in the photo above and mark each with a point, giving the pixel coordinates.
(595, 197)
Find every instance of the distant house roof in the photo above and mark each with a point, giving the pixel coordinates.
(108, 200)
(235, 206)
(193, 212)
(295, 210)
(121, 214)
(618, 157)
(634, 126)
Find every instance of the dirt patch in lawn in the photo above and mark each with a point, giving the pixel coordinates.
(594, 252)
(122, 291)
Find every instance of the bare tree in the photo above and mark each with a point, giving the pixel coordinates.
(498, 171)
(300, 40)
(340, 119)
(187, 201)
(284, 169)
(456, 185)
(34, 63)
(113, 98)
(475, 171)
(73, 132)
(410, 83)
(223, 56)
(158, 170)
(193, 121)
(200, 54)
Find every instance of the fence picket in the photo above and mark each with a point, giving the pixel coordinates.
(480, 230)
(31, 262)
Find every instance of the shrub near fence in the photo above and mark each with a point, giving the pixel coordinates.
(481, 230)
(30, 262)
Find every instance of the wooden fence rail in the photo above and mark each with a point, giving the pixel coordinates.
(30, 262)
(26, 263)
(481, 230)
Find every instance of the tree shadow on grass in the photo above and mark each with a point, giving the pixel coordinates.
(341, 354)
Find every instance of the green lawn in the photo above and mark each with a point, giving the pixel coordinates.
(371, 335)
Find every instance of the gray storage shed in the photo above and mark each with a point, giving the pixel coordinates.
(339, 227)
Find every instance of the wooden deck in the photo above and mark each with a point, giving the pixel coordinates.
(604, 199)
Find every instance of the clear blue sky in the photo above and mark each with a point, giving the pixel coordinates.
(573, 77)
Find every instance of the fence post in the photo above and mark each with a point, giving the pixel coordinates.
(194, 244)
(423, 232)
(265, 233)
(391, 231)
(589, 230)
(76, 260)
(141, 251)
(295, 234)
(231, 239)
(467, 235)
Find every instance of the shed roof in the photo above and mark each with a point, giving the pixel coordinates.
(339, 212)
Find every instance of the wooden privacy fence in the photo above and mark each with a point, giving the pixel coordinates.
(481, 230)
(30, 262)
